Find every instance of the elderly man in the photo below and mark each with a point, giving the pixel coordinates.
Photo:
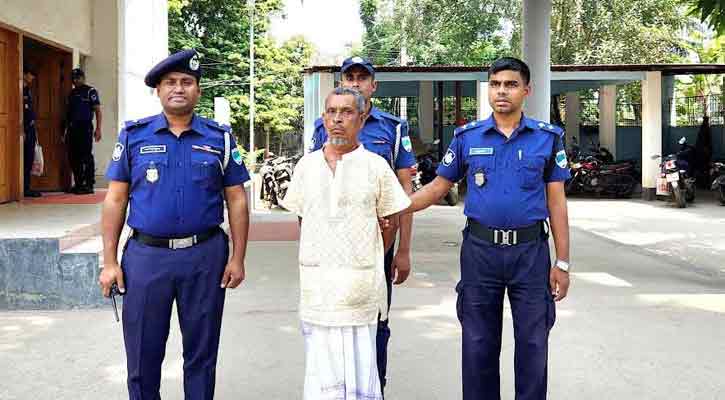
(338, 193)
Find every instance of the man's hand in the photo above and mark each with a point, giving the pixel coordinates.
(97, 135)
(384, 223)
(559, 281)
(233, 275)
(400, 266)
(110, 274)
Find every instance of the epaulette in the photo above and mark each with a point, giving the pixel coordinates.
(136, 123)
(467, 127)
(215, 125)
(550, 128)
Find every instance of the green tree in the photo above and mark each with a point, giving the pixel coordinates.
(219, 30)
(463, 32)
(711, 12)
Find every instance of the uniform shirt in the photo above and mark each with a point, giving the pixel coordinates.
(28, 110)
(81, 101)
(378, 136)
(176, 184)
(341, 257)
(512, 173)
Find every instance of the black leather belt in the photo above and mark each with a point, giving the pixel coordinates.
(175, 243)
(508, 237)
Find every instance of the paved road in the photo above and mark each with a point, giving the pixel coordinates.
(637, 324)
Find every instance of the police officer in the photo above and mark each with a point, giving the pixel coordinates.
(83, 103)
(387, 136)
(176, 169)
(31, 137)
(515, 168)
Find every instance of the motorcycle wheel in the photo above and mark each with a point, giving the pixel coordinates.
(452, 197)
(679, 197)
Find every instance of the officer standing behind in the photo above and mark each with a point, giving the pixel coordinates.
(175, 169)
(83, 102)
(31, 138)
(387, 136)
(515, 168)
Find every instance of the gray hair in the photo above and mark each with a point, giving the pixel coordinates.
(343, 91)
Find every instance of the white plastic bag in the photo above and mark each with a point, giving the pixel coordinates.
(38, 164)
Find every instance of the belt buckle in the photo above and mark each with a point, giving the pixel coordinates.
(508, 237)
(182, 243)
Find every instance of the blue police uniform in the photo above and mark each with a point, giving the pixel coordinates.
(81, 104)
(505, 248)
(175, 191)
(31, 138)
(378, 136)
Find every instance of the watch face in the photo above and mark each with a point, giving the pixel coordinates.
(564, 266)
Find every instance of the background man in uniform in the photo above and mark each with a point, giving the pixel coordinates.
(387, 136)
(31, 138)
(515, 168)
(83, 103)
(176, 169)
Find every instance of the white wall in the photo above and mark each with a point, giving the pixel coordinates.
(65, 23)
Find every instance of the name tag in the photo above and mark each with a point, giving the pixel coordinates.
(480, 151)
(160, 148)
(206, 148)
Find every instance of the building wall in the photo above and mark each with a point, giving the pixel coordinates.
(65, 23)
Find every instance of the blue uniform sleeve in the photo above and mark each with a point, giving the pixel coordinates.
(319, 137)
(119, 169)
(94, 97)
(406, 158)
(557, 169)
(236, 173)
(452, 165)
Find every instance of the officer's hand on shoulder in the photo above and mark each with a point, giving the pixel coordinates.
(110, 274)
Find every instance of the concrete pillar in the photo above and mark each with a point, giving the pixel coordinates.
(317, 86)
(572, 118)
(484, 108)
(222, 111)
(651, 131)
(537, 54)
(425, 111)
(668, 92)
(608, 118)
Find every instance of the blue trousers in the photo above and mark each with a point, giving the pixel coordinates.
(154, 278)
(383, 334)
(487, 270)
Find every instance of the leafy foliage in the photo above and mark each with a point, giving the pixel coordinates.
(219, 29)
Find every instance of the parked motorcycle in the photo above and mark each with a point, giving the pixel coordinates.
(276, 175)
(718, 183)
(426, 172)
(674, 180)
(594, 177)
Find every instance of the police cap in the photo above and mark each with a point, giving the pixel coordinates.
(353, 61)
(185, 61)
(77, 73)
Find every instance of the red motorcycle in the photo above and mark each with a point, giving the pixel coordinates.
(594, 177)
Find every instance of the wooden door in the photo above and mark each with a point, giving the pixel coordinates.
(9, 116)
(50, 90)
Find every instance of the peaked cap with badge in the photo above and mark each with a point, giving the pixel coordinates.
(185, 61)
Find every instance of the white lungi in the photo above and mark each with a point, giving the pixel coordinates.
(340, 362)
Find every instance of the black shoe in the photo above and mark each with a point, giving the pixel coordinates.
(85, 190)
(73, 190)
(32, 193)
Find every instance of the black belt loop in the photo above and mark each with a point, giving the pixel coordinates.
(175, 243)
(508, 237)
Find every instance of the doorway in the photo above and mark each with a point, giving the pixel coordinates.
(9, 116)
(50, 91)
